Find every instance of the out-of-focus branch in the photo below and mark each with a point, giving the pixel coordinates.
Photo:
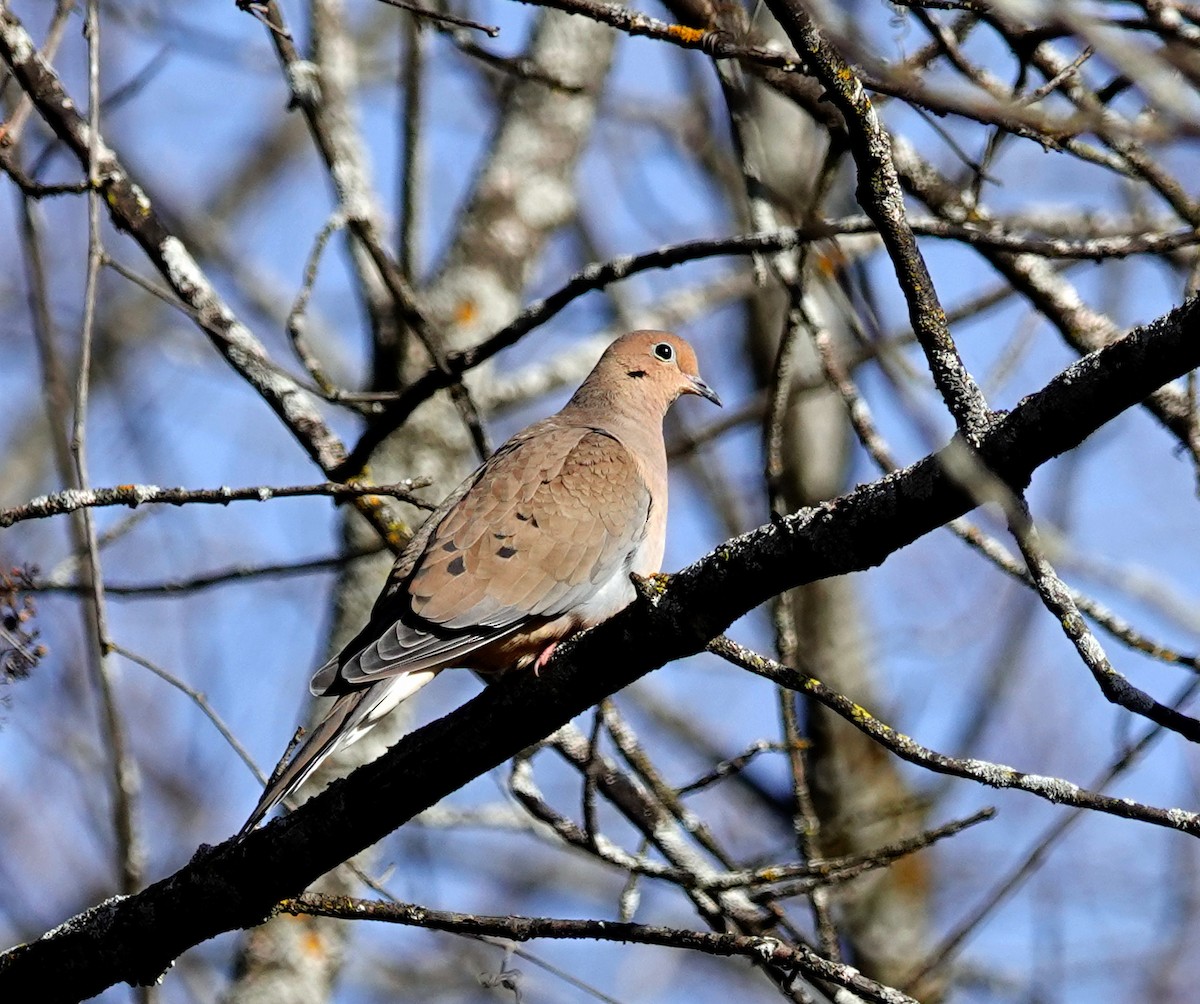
(124, 781)
(196, 583)
(132, 211)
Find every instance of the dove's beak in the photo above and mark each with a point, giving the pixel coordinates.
(704, 390)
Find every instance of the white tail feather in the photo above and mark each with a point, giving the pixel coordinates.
(351, 716)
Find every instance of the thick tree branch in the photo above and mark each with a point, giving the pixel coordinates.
(238, 884)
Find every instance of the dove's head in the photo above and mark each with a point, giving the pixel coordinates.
(655, 367)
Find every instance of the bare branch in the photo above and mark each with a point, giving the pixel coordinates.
(135, 495)
(770, 950)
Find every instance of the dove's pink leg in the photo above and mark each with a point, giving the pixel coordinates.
(544, 658)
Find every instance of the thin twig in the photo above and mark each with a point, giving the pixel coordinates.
(198, 698)
(730, 767)
(443, 16)
(135, 495)
(769, 950)
(717, 44)
(880, 195)
(953, 942)
(995, 775)
(295, 318)
(207, 580)
(1058, 600)
(124, 772)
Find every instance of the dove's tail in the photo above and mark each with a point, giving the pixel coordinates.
(351, 716)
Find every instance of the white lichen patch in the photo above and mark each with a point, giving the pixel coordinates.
(106, 160)
(71, 498)
(1182, 819)
(140, 197)
(545, 204)
(1053, 788)
(618, 266)
(511, 234)
(20, 43)
(83, 921)
(186, 276)
(304, 78)
(998, 775)
(767, 947)
(350, 178)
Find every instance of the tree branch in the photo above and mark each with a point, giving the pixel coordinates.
(132, 496)
(879, 193)
(797, 958)
(238, 884)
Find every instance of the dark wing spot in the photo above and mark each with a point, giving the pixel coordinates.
(506, 552)
(501, 536)
(636, 374)
(450, 546)
(523, 517)
(457, 566)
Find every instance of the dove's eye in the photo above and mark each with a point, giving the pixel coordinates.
(664, 351)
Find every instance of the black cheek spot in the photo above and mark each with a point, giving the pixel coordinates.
(506, 552)
(636, 374)
(457, 566)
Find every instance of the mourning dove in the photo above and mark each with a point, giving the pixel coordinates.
(538, 544)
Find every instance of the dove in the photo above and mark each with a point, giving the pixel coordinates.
(536, 545)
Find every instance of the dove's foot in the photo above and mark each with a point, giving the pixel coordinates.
(544, 658)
